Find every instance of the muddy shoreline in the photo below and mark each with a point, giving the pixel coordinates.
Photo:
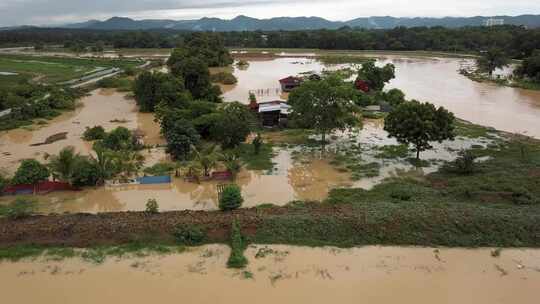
(312, 224)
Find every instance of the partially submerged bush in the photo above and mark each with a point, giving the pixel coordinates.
(20, 208)
(152, 206)
(464, 163)
(238, 245)
(224, 78)
(94, 133)
(190, 235)
(30, 172)
(231, 198)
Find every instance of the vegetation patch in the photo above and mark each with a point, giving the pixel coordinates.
(238, 246)
(256, 161)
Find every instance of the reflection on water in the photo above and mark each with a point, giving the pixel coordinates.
(307, 275)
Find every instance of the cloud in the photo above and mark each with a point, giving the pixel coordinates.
(17, 12)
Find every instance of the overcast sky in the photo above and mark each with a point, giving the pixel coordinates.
(44, 12)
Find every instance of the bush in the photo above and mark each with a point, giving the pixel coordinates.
(231, 198)
(152, 206)
(224, 78)
(20, 208)
(190, 235)
(238, 245)
(464, 163)
(30, 172)
(94, 133)
(85, 173)
(163, 168)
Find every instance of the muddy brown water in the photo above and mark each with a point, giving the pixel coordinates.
(427, 79)
(286, 274)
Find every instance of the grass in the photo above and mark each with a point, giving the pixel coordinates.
(294, 137)
(54, 69)
(96, 255)
(261, 161)
(466, 129)
(392, 151)
(343, 59)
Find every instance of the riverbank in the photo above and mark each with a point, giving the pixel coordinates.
(512, 83)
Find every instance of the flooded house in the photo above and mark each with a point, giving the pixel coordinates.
(273, 113)
(289, 83)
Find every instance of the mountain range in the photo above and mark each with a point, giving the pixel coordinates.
(244, 23)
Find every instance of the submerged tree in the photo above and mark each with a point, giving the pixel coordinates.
(491, 60)
(324, 105)
(376, 77)
(30, 172)
(419, 124)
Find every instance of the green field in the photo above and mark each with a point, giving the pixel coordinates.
(53, 69)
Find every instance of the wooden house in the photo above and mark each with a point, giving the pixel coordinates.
(289, 83)
(273, 113)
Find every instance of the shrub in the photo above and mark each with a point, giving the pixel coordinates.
(94, 133)
(190, 235)
(163, 168)
(30, 172)
(238, 245)
(224, 78)
(231, 198)
(20, 208)
(465, 164)
(152, 206)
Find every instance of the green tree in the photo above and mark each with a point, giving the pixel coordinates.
(233, 125)
(491, 60)
(232, 163)
(231, 198)
(119, 139)
(103, 164)
(153, 88)
(376, 77)
(419, 124)
(324, 106)
(180, 135)
(30, 172)
(530, 67)
(94, 133)
(207, 157)
(195, 74)
(63, 165)
(86, 172)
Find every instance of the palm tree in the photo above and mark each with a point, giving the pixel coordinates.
(62, 165)
(194, 171)
(104, 165)
(232, 162)
(207, 158)
(128, 163)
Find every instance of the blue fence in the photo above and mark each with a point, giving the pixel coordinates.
(146, 180)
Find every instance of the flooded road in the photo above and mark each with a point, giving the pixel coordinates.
(427, 79)
(284, 274)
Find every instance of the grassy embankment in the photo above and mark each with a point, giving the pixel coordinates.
(498, 205)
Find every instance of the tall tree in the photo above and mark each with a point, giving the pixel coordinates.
(232, 125)
(419, 124)
(325, 106)
(491, 60)
(180, 135)
(376, 77)
(151, 88)
(63, 165)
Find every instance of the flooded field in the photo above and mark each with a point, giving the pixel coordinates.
(427, 79)
(284, 274)
(102, 107)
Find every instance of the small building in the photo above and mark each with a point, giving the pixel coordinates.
(493, 22)
(273, 113)
(289, 83)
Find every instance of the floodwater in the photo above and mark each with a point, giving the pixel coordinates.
(102, 107)
(286, 274)
(427, 79)
(290, 180)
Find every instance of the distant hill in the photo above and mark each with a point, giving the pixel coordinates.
(244, 23)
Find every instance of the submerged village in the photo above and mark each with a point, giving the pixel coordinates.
(214, 156)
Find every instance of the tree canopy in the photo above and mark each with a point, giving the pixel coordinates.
(419, 124)
(30, 172)
(151, 88)
(491, 60)
(324, 105)
(376, 77)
